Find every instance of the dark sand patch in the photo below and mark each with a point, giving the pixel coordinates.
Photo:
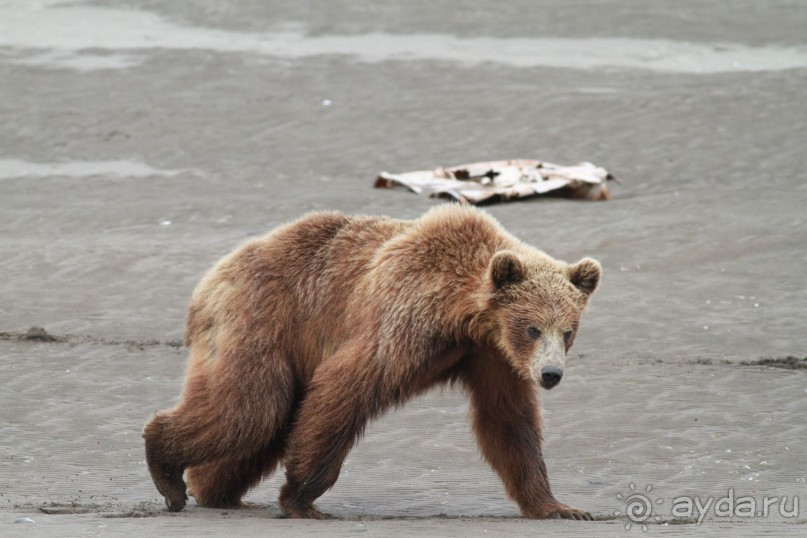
(38, 334)
(788, 363)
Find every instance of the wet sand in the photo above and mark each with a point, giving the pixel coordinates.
(136, 152)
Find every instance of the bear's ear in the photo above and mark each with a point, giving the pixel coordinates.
(506, 269)
(585, 275)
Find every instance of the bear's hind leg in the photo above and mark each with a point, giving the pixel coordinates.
(222, 483)
(227, 413)
(166, 474)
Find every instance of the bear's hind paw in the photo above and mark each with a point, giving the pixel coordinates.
(172, 487)
(176, 502)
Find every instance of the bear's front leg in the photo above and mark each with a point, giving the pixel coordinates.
(507, 423)
(345, 392)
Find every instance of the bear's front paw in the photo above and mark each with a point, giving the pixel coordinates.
(296, 505)
(562, 511)
(302, 512)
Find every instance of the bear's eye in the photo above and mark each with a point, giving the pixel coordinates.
(567, 335)
(534, 332)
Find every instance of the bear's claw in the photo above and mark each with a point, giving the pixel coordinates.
(567, 512)
(301, 512)
(562, 511)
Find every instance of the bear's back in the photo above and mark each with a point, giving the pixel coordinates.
(301, 269)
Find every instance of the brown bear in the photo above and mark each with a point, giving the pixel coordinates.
(297, 339)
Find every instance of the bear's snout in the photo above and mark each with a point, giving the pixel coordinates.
(550, 376)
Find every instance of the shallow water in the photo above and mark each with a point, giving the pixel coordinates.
(53, 24)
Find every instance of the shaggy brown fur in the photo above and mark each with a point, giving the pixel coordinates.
(299, 338)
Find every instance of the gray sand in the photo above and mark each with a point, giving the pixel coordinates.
(142, 140)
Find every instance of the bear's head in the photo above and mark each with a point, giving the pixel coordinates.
(536, 306)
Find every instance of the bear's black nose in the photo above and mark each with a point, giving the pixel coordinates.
(550, 376)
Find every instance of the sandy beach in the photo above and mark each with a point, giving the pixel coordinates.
(141, 140)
